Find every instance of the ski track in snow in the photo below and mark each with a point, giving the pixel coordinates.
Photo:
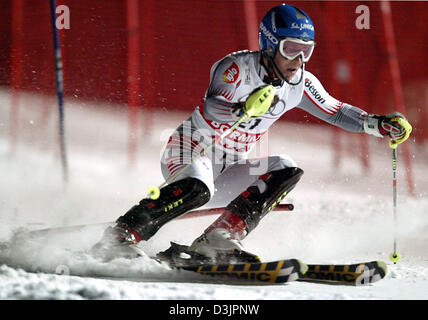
(343, 212)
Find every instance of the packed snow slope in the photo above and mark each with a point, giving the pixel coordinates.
(343, 210)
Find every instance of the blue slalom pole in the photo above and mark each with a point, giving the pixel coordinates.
(60, 90)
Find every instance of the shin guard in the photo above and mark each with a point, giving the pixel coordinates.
(145, 219)
(253, 204)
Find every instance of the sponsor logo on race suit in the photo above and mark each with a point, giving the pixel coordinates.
(231, 74)
(314, 91)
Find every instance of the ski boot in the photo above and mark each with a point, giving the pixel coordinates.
(221, 241)
(142, 221)
(117, 242)
(214, 248)
(253, 204)
(219, 244)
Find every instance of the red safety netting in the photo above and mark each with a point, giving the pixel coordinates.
(176, 42)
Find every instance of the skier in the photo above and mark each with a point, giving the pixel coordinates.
(249, 188)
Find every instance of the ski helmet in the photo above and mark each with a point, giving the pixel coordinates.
(284, 21)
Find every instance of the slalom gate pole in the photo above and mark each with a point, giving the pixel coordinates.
(188, 215)
(59, 90)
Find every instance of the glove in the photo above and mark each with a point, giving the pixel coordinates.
(259, 101)
(394, 125)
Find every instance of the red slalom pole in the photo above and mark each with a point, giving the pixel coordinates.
(190, 214)
(16, 62)
(132, 21)
(213, 211)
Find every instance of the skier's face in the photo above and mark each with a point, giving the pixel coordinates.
(288, 67)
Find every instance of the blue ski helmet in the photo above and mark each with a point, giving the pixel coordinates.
(284, 21)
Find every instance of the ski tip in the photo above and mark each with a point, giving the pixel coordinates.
(357, 274)
(383, 268)
(372, 272)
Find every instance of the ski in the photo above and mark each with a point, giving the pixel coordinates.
(280, 271)
(350, 274)
(249, 268)
(239, 265)
(283, 271)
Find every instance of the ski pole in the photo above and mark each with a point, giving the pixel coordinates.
(394, 256)
(257, 104)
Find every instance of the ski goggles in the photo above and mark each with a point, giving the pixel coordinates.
(291, 48)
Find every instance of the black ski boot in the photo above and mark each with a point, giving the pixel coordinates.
(221, 241)
(183, 256)
(252, 205)
(142, 221)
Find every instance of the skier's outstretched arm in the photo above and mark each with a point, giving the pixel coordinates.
(319, 103)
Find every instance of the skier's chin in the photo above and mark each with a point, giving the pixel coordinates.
(289, 73)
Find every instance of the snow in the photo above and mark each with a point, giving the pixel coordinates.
(343, 212)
